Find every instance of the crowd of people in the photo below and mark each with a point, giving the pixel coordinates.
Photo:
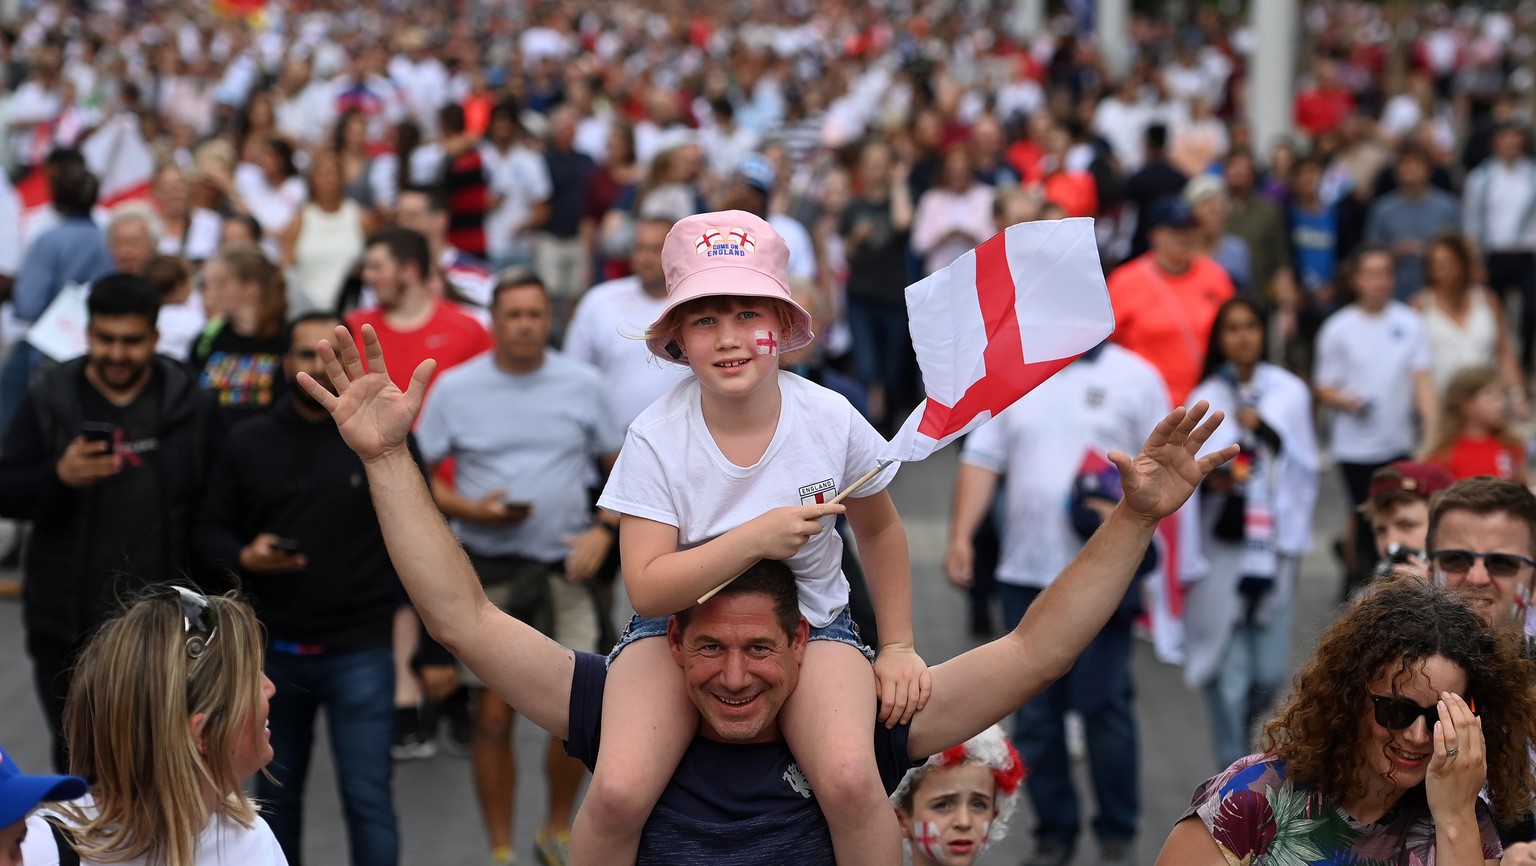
(658, 254)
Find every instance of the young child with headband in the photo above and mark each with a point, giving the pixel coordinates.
(959, 802)
(737, 464)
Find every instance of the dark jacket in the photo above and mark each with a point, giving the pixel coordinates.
(60, 598)
(297, 479)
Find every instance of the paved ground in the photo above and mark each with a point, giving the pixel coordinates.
(441, 826)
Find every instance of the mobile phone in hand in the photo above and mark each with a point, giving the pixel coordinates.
(98, 431)
(286, 545)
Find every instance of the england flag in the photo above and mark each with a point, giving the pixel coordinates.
(997, 322)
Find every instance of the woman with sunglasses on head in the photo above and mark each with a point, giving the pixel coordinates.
(1409, 705)
(166, 718)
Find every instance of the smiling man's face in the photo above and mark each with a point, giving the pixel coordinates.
(739, 666)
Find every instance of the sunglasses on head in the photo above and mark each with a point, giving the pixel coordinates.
(199, 620)
(1498, 564)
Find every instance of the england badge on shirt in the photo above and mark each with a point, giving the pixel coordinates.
(818, 493)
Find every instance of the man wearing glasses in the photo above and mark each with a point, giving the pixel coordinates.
(1482, 539)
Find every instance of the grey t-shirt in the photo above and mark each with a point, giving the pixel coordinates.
(1395, 217)
(532, 435)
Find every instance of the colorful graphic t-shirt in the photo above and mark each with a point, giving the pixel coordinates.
(244, 373)
(1261, 817)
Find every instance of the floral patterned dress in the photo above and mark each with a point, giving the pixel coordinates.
(1260, 817)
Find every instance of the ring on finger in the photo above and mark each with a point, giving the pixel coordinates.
(1451, 752)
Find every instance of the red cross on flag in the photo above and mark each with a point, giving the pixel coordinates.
(1000, 320)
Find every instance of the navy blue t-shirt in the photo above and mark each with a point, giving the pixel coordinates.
(739, 804)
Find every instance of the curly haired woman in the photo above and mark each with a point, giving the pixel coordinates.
(1409, 705)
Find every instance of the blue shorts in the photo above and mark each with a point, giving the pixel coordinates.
(842, 629)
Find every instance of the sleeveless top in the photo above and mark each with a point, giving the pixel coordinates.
(1454, 346)
(329, 244)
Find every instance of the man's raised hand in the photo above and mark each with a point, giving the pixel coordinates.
(373, 416)
(1166, 472)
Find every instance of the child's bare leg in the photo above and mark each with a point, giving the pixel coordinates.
(648, 723)
(829, 724)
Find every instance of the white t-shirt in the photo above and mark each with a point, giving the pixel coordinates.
(604, 331)
(201, 239)
(1107, 403)
(802, 250)
(1373, 357)
(272, 206)
(222, 843)
(520, 178)
(671, 471)
(180, 325)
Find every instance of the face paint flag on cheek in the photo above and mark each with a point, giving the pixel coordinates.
(986, 834)
(927, 838)
(766, 344)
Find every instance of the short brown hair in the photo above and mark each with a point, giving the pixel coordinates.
(1485, 495)
(165, 273)
(768, 577)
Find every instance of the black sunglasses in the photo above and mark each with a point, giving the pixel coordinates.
(1395, 714)
(1498, 564)
(199, 620)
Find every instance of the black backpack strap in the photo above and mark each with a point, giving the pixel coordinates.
(68, 856)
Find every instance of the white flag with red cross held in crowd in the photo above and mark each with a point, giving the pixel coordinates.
(997, 322)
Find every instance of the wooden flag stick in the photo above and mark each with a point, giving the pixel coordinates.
(863, 480)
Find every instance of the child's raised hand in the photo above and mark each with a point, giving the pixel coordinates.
(904, 683)
(781, 532)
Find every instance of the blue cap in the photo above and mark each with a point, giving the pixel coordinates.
(1170, 212)
(758, 173)
(20, 793)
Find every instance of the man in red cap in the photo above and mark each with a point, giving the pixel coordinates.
(1398, 511)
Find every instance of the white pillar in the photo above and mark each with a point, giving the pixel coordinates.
(1113, 30)
(1272, 83)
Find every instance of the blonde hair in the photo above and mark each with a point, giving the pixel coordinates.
(136, 688)
(1453, 420)
(249, 265)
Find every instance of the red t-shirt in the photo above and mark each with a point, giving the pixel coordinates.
(1319, 111)
(451, 337)
(1482, 455)
(1166, 318)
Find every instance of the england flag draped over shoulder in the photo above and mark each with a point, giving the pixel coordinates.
(997, 322)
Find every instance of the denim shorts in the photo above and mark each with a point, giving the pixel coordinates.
(842, 629)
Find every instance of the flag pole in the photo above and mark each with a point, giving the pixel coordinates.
(848, 491)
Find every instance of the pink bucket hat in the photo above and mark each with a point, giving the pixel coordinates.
(728, 253)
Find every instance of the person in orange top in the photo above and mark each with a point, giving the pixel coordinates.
(1472, 435)
(1166, 300)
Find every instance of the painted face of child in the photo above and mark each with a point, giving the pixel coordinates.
(951, 817)
(733, 346)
